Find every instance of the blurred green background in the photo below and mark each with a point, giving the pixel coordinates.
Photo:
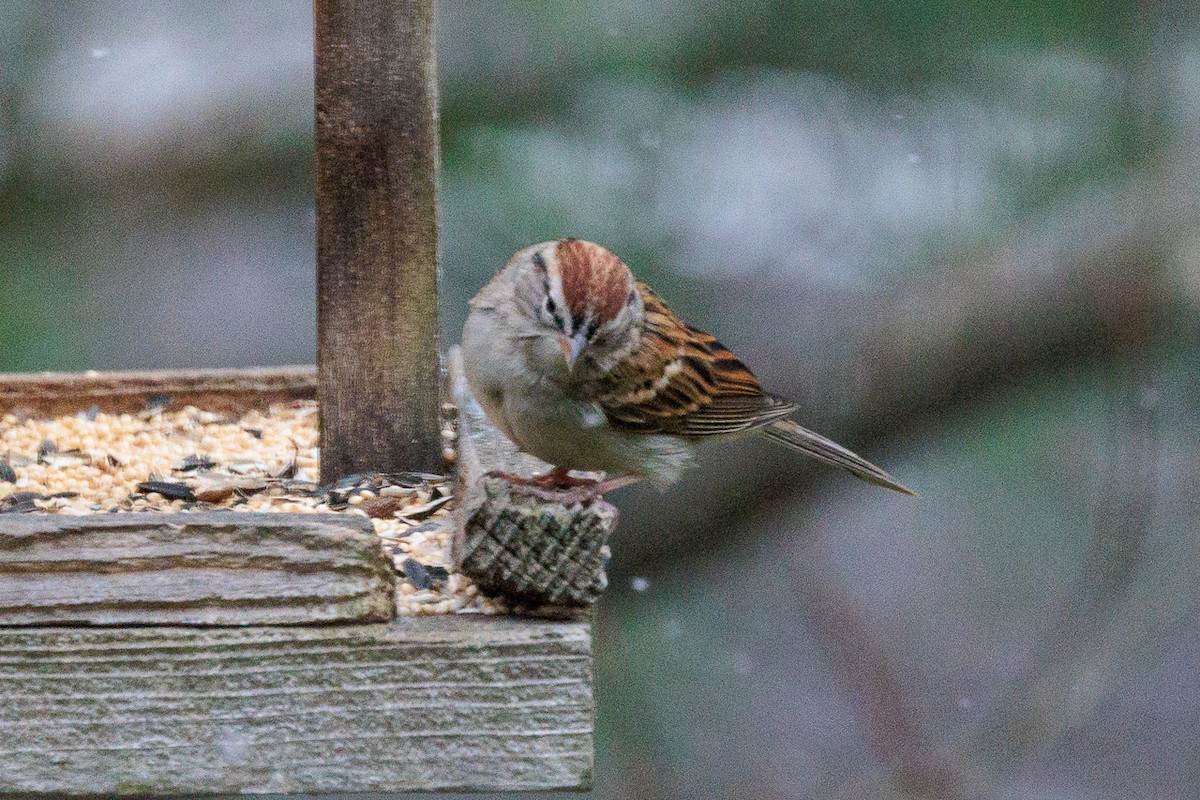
(965, 238)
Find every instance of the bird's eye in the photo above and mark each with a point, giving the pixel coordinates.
(551, 309)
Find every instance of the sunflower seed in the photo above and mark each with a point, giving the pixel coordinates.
(424, 576)
(20, 502)
(171, 491)
(193, 462)
(46, 448)
(425, 509)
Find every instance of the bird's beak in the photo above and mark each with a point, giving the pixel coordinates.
(572, 347)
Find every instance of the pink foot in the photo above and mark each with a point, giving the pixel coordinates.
(593, 491)
(558, 486)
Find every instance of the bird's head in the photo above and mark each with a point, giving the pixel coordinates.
(580, 305)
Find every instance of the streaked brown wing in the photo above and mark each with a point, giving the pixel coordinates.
(683, 381)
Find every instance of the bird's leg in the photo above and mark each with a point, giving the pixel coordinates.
(595, 490)
(519, 480)
(557, 478)
(560, 478)
(559, 486)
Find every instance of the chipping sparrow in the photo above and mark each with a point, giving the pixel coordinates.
(586, 368)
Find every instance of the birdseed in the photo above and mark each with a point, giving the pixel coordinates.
(180, 460)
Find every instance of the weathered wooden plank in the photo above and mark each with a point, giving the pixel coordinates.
(376, 176)
(427, 703)
(509, 542)
(420, 703)
(214, 568)
(217, 390)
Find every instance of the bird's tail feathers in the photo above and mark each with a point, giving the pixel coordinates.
(814, 445)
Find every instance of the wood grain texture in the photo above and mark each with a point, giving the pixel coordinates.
(437, 703)
(420, 703)
(214, 568)
(525, 548)
(509, 542)
(376, 174)
(216, 390)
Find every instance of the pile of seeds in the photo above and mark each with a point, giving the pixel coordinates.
(178, 460)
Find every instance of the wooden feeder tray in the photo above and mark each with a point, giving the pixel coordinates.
(232, 652)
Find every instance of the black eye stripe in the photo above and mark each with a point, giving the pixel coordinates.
(540, 262)
(551, 306)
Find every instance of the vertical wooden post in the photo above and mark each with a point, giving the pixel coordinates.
(376, 171)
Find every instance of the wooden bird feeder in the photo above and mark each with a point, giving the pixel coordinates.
(225, 652)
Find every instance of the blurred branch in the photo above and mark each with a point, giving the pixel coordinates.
(1075, 663)
(866, 676)
(1069, 288)
(1104, 622)
(1112, 299)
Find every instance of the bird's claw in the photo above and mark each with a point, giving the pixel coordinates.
(558, 486)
